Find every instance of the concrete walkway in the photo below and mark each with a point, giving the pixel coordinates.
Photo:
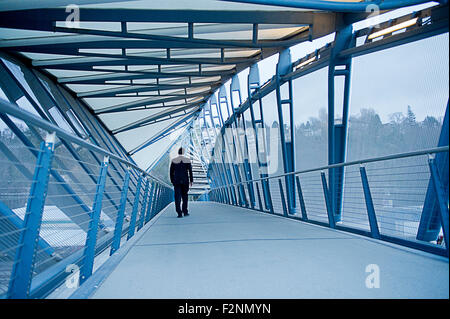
(227, 252)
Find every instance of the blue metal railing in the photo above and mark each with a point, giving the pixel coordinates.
(69, 211)
(383, 197)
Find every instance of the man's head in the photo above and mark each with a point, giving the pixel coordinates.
(180, 151)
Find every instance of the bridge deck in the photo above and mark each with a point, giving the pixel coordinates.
(227, 252)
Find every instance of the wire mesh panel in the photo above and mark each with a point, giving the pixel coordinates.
(275, 195)
(398, 190)
(313, 195)
(17, 166)
(354, 211)
(259, 195)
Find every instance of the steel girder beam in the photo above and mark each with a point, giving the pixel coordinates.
(12, 5)
(339, 6)
(337, 132)
(430, 224)
(253, 85)
(155, 162)
(169, 128)
(287, 142)
(106, 42)
(142, 88)
(197, 42)
(107, 78)
(147, 102)
(87, 60)
(43, 19)
(159, 115)
(242, 146)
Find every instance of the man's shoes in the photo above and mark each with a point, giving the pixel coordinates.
(179, 216)
(186, 214)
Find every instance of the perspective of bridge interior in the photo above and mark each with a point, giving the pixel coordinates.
(318, 133)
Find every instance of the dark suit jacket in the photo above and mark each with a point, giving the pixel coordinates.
(181, 171)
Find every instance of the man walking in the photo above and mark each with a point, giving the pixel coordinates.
(181, 178)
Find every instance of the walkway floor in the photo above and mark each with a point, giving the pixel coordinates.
(227, 252)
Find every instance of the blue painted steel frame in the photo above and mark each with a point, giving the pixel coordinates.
(120, 214)
(22, 272)
(91, 238)
(337, 133)
(284, 67)
(144, 206)
(429, 225)
(369, 204)
(151, 199)
(442, 201)
(339, 6)
(137, 196)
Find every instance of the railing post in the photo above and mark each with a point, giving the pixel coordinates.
(369, 204)
(442, 200)
(269, 196)
(22, 272)
(121, 213)
(259, 198)
(150, 202)
(132, 227)
(144, 206)
(155, 200)
(251, 193)
(266, 193)
(283, 199)
(91, 238)
(233, 197)
(327, 201)
(301, 199)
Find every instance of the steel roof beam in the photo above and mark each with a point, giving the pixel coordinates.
(148, 101)
(118, 76)
(87, 60)
(43, 19)
(185, 40)
(339, 6)
(154, 117)
(143, 88)
(162, 132)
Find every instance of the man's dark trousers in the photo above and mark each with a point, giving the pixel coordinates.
(181, 193)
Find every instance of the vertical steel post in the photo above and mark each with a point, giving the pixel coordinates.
(260, 205)
(150, 202)
(137, 196)
(156, 200)
(326, 195)
(284, 66)
(22, 272)
(374, 231)
(442, 200)
(301, 199)
(120, 214)
(429, 225)
(91, 238)
(269, 196)
(144, 206)
(253, 83)
(337, 133)
(283, 199)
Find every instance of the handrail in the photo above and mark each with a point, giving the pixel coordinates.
(428, 151)
(17, 112)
